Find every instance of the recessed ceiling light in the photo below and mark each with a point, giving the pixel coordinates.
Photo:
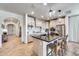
(60, 20)
(32, 12)
(50, 10)
(59, 10)
(45, 4)
(42, 16)
(50, 14)
(53, 11)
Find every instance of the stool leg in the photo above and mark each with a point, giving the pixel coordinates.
(47, 51)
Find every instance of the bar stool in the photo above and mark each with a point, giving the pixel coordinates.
(52, 47)
(64, 44)
(55, 48)
(59, 49)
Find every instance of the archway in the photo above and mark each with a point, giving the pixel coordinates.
(12, 25)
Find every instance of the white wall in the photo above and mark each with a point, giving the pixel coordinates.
(5, 14)
(74, 11)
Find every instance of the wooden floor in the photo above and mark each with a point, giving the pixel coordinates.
(14, 47)
(73, 49)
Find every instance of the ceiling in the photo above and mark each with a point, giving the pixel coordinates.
(39, 9)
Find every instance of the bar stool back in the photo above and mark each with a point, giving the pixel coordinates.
(52, 47)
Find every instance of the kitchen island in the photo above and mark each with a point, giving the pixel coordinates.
(41, 42)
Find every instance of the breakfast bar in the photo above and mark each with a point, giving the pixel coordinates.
(41, 42)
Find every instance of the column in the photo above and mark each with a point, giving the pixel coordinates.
(44, 48)
(24, 29)
(0, 36)
(66, 27)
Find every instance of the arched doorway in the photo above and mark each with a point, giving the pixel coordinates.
(12, 25)
(11, 29)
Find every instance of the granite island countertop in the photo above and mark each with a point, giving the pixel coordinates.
(46, 38)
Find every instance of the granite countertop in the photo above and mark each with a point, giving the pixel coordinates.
(45, 38)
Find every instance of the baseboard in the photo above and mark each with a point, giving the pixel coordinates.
(74, 42)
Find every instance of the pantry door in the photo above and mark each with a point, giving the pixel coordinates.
(11, 29)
